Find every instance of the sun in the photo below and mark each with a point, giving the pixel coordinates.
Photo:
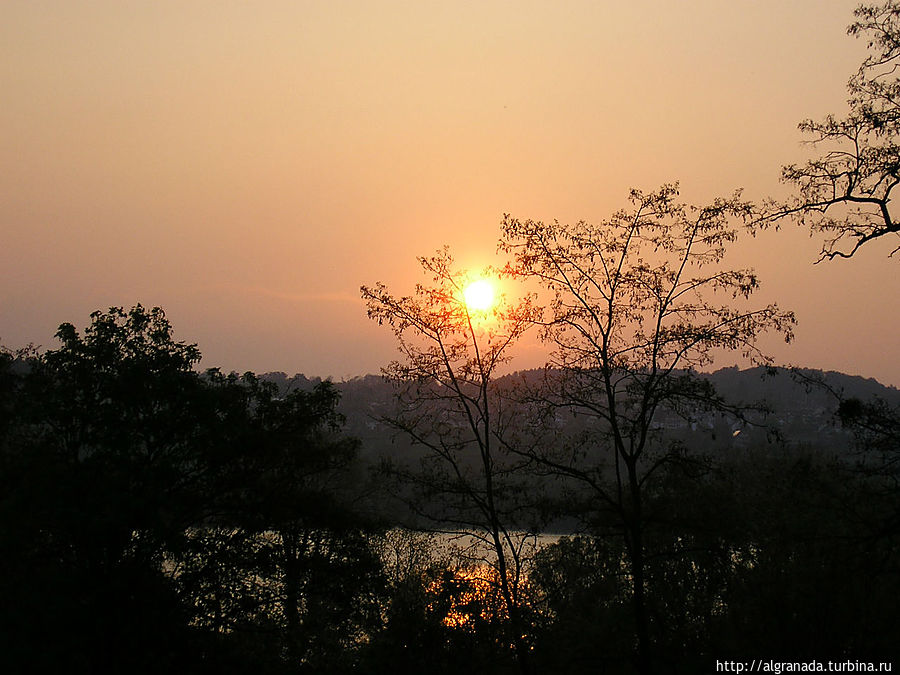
(479, 295)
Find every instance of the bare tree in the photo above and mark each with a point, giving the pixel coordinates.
(635, 306)
(845, 191)
(448, 404)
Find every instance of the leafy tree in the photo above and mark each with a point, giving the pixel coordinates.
(449, 405)
(283, 560)
(876, 425)
(635, 307)
(584, 603)
(845, 191)
(157, 518)
(443, 615)
(96, 486)
(812, 578)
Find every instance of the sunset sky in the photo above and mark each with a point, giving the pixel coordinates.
(247, 166)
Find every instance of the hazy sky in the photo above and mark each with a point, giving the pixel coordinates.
(247, 166)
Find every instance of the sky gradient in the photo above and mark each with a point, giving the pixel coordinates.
(247, 166)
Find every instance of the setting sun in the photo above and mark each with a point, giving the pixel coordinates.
(479, 295)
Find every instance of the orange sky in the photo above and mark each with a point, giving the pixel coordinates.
(248, 165)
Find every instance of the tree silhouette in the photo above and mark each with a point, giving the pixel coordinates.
(635, 306)
(153, 517)
(845, 191)
(97, 485)
(448, 404)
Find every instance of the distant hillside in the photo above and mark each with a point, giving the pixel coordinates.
(803, 406)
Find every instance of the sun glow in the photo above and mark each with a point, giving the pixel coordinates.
(479, 296)
(467, 598)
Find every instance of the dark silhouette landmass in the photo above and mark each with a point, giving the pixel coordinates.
(156, 518)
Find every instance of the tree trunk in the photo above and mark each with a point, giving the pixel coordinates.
(639, 601)
(291, 594)
(512, 607)
(634, 540)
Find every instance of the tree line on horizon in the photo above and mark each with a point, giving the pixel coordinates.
(155, 518)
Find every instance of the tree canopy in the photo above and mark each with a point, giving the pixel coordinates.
(844, 192)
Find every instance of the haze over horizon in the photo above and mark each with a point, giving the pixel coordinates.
(247, 166)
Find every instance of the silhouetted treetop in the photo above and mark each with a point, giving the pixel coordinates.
(845, 191)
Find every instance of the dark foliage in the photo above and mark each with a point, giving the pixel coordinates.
(156, 519)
